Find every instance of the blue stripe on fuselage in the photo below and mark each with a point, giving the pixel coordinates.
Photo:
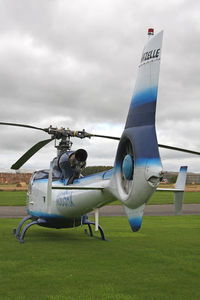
(142, 115)
(144, 96)
(40, 214)
(105, 175)
(144, 141)
(57, 221)
(183, 169)
(135, 223)
(142, 108)
(141, 162)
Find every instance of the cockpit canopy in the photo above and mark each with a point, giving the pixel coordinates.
(67, 166)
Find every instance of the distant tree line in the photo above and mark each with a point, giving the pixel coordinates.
(95, 169)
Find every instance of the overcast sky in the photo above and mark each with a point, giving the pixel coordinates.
(74, 64)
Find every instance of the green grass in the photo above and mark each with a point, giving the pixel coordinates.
(14, 198)
(161, 261)
(18, 198)
(168, 198)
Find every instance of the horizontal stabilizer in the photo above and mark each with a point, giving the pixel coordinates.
(134, 216)
(181, 179)
(77, 188)
(178, 190)
(180, 184)
(169, 190)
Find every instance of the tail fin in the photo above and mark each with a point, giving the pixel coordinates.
(143, 104)
(135, 216)
(138, 168)
(178, 190)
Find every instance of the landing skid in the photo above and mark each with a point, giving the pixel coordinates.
(89, 223)
(17, 231)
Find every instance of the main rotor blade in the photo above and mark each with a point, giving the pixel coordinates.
(106, 137)
(21, 161)
(179, 149)
(22, 125)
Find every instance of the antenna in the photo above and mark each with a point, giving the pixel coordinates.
(150, 32)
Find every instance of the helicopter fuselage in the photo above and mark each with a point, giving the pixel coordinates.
(67, 208)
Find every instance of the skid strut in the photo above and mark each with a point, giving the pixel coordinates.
(89, 223)
(17, 232)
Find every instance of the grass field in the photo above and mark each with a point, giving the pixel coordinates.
(168, 198)
(18, 198)
(161, 261)
(14, 198)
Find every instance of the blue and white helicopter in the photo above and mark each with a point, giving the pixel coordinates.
(61, 197)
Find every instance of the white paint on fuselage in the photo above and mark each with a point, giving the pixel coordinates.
(69, 203)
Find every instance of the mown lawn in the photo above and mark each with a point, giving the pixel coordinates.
(161, 261)
(168, 198)
(13, 198)
(18, 198)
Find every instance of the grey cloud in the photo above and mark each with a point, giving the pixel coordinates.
(76, 63)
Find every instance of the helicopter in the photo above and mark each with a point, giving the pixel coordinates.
(61, 197)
